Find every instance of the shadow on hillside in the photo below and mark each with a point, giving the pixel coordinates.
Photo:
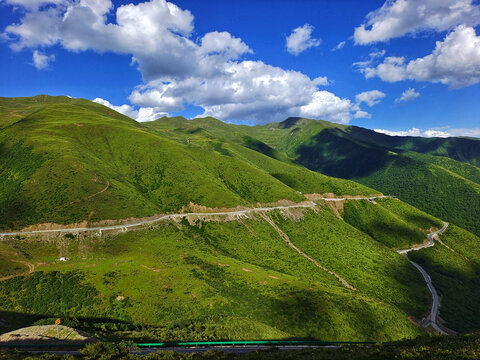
(332, 152)
(259, 146)
(457, 284)
(288, 123)
(301, 313)
(457, 148)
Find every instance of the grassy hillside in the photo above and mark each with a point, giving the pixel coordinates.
(385, 226)
(68, 160)
(233, 141)
(454, 267)
(326, 273)
(431, 188)
(224, 280)
(439, 176)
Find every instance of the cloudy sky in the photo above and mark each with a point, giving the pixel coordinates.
(408, 67)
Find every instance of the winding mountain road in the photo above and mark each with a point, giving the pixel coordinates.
(432, 317)
(125, 227)
(430, 243)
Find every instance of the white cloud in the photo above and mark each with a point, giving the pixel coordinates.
(408, 95)
(454, 62)
(371, 58)
(391, 70)
(142, 114)
(222, 43)
(301, 39)
(161, 95)
(434, 132)
(33, 4)
(362, 114)
(470, 132)
(415, 132)
(370, 98)
(155, 33)
(325, 105)
(42, 61)
(177, 70)
(339, 46)
(399, 17)
(149, 114)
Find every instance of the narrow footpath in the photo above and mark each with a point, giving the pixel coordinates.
(292, 245)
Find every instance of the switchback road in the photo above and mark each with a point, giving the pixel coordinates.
(432, 317)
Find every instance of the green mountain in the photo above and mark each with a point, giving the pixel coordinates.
(438, 175)
(68, 160)
(326, 271)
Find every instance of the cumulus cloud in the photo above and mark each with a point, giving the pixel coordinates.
(370, 98)
(399, 17)
(42, 61)
(210, 73)
(222, 43)
(142, 114)
(362, 114)
(454, 62)
(408, 95)
(33, 4)
(326, 105)
(301, 39)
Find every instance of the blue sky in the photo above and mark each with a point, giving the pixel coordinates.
(411, 66)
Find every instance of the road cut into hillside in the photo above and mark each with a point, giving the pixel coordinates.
(150, 221)
(432, 317)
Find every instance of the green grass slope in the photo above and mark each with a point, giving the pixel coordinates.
(68, 160)
(439, 176)
(431, 188)
(226, 139)
(390, 225)
(223, 280)
(454, 267)
(427, 173)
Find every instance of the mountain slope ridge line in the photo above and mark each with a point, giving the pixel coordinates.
(124, 227)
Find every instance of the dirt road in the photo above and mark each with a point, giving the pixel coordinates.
(125, 227)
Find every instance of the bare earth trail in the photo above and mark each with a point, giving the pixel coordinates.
(30, 266)
(432, 317)
(287, 240)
